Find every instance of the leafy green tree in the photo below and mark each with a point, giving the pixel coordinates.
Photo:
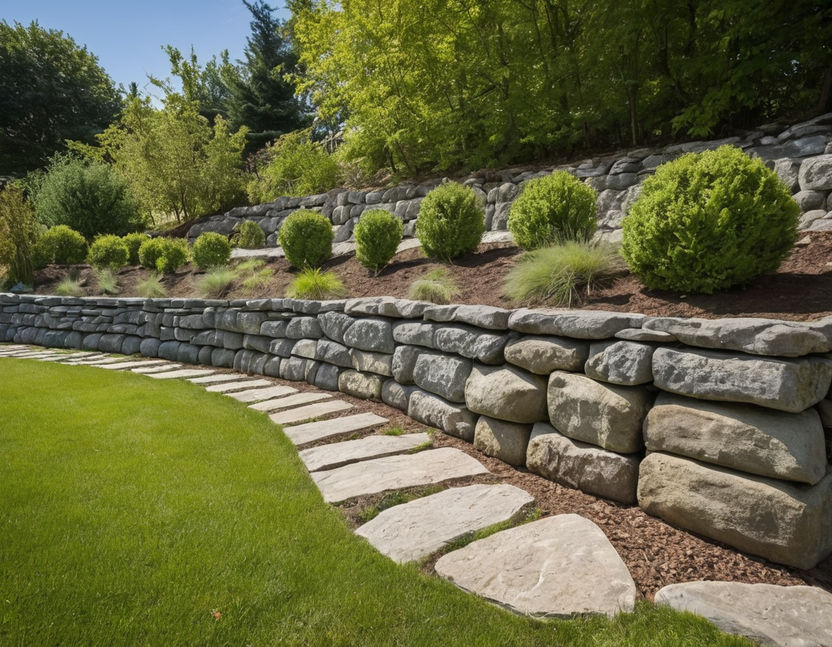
(52, 90)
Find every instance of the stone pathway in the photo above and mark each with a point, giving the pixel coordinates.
(554, 567)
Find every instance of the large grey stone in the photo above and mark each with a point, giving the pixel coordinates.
(786, 385)
(504, 440)
(816, 173)
(781, 616)
(370, 334)
(414, 332)
(605, 415)
(620, 362)
(395, 394)
(404, 362)
(472, 343)
(309, 411)
(327, 457)
(788, 446)
(266, 393)
(414, 530)
(784, 522)
(582, 466)
(360, 385)
(580, 324)
(432, 410)
(555, 567)
(395, 472)
(506, 393)
(235, 382)
(290, 401)
(332, 352)
(335, 324)
(369, 362)
(542, 355)
(481, 316)
(312, 431)
(444, 375)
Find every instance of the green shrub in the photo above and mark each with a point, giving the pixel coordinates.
(69, 286)
(86, 195)
(107, 281)
(562, 274)
(216, 282)
(709, 221)
(174, 255)
(62, 245)
(552, 209)
(306, 238)
(451, 221)
(377, 235)
(437, 286)
(211, 250)
(315, 284)
(251, 236)
(134, 242)
(108, 251)
(19, 233)
(151, 287)
(150, 251)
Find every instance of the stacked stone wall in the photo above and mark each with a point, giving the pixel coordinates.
(719, 426)
(801, 155)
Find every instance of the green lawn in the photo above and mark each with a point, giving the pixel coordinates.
(140, 512)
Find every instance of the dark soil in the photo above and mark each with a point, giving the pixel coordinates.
(800, 290)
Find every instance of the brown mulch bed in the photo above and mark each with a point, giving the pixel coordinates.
(800, 290)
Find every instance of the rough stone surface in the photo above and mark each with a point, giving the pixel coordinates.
(311, 431)
(395, 394)
(444, 375)
(555, 567)
(605, 415)
(432, 410)
(542, 355)
(185, 372)
(580, 324)
(395, 473)
(472, 343)
(414, 332)
(267, 393)
(370, 334)
(788, 446)
(238, 384)
(309, 411)
(786, 523)
(327, 457)
(360, 385)
(219, 378)
(816, 173)
(289, 401)
(414, 530)
(504, 440)
(781, 616)
(785, 385)
(582, 466)
(620, 362)
(368, 362)
(506, 393)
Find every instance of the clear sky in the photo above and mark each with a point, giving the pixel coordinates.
(127, 37)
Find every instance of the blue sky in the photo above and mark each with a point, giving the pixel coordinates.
(127, 37)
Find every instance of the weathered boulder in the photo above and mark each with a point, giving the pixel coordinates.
(620, 362)
(335, 324)
(471, 342)
(436, 412)
(542, 355)
(816, 173)
(369, 362)
(784, 522)
(599, 414)
(580, 324)
(332, 352)
(303, 328)
(444, 375)
(788, 446)
(395, 394)
(581, 466)
(786, 385)
(476, 315)
(506, 393)
(370, 334)
(414, 332)
(504, 440)
(360, 385)
(403, 363)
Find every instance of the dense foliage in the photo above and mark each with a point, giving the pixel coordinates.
(87, 195)
(62, 245)
(108, 251)
(53, 90)
(174, 254)
(709, 221)
(150, 251)
(451, 221)
(251, 236)
(134, 242)
(18, 234)
(377, 236)
(306, 238)
(211, 250)
(481, 83)
(552, 209)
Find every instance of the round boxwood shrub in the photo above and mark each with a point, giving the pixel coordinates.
(451, 221)
(251, 236)
(306, 238)
(61, 245)
(150, 251)
(709, 221)
(211, 250)
(108, 251)
(552, 210)
(134, 242)
(174, 255)
(377, 235)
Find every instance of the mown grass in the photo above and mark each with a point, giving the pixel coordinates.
(135, 512)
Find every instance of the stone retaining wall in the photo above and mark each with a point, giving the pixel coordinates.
(801, 155)
(719, 426)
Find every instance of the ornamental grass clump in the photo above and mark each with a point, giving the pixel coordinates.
(217, 282)
(312, 283)
(254, 275)
(107, 281)
(451, 221)
(709, 221)
(377, 236)
(306, 238)
(437, 286)
(552, 209)
(151, 287)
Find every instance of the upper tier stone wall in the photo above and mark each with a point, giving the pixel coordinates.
(719, 426)
(801, 155)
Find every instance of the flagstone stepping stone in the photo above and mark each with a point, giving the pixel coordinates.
(220, 377)
(396, 472)
(416, 529)
(290, 401)
(253, 395)
(327, 457)
(239, 385)
(555, 567)
(308, 412)
(185, 372)
(125, 365)
(793, 616)
(312, 431)
(39, 355)
(87, 357)
(147, 370)
(97, 362)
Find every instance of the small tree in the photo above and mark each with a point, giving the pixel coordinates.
(18, 234)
